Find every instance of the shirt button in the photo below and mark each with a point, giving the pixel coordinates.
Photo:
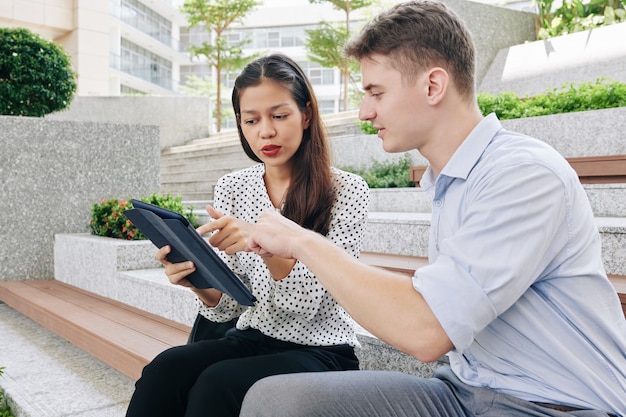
(437, 203)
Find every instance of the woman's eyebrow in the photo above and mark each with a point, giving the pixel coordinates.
(273, 108)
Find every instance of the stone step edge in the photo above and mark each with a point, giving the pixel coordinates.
(74, 383)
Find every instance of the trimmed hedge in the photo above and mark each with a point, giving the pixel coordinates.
(36, 76)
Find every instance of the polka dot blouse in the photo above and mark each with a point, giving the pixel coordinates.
(297, 308)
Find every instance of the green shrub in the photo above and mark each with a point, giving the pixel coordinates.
(5, 411)
(36, 76)
(107, 216)
(602, 94)
(388, 174)
(577, 15)
(367, 127)
(571, 97)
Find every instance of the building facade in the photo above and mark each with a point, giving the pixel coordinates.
(127, 47)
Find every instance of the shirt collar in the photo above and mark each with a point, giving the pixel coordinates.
(468, 153)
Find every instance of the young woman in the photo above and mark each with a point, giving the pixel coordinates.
(295, 325)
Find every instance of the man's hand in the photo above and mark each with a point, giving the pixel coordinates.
(274, 234)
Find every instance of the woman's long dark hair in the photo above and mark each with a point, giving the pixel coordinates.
(310, 196)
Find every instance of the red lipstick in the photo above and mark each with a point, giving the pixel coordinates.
(270, 150)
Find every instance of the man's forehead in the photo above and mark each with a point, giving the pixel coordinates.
(376, 71)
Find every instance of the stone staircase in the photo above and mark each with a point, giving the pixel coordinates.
(191, 170)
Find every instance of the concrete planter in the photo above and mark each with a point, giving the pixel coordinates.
(123, 270)
(93, 262)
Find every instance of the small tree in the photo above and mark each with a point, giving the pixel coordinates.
(217, 16)
(36, 75)
(324, 44)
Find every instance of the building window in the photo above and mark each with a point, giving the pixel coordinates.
(232, 38)
(195, 36)
(326, 106)
(317, 74)
(144, 64)
(126, 90)
(274, 37)
(137, 15)
(202, 71)
(228, 79)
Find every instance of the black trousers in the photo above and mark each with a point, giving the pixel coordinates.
(205, 329)
(211, 377)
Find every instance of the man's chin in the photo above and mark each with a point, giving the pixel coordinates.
(390, 147)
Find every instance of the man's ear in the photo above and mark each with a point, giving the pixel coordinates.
(438, 79)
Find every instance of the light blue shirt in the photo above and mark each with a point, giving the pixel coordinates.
(516, 276)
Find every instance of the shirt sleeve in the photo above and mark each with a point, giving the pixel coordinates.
(507, 227)
(347, 228)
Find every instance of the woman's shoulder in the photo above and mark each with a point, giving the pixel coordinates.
(348, 179)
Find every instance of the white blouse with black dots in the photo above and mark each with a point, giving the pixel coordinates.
(297, 308)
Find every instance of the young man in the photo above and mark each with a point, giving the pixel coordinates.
(515, 292)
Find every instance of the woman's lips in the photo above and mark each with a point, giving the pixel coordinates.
(270, 150)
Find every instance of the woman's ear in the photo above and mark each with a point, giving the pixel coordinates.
(306, 120)
(438, 79)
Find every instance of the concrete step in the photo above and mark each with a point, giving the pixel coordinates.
(607, 200)
(568, 133)
(46, 376)
(209, 151)
(198, 170)
(187, 189)
(407, 233)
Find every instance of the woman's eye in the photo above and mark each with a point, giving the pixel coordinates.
(249, 121)
(280, 116)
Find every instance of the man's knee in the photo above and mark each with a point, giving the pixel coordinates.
(267, 398)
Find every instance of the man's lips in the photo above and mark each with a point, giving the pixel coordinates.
(270, 150)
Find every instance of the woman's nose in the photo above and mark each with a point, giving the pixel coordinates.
(268, 130)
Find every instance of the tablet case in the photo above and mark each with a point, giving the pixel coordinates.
(165, 227)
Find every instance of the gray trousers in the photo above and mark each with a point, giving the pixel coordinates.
(385, 394)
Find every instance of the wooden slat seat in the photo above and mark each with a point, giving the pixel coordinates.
(600, 169)
(124, 337)
(605, 169)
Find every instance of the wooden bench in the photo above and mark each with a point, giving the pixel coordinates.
(124, 337)
(606, 169)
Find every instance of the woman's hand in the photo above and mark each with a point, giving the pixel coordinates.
(176, 272)
(229, 233)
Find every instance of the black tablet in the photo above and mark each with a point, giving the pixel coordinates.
(166, 227)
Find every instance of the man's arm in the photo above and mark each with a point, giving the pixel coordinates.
(384, 303)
